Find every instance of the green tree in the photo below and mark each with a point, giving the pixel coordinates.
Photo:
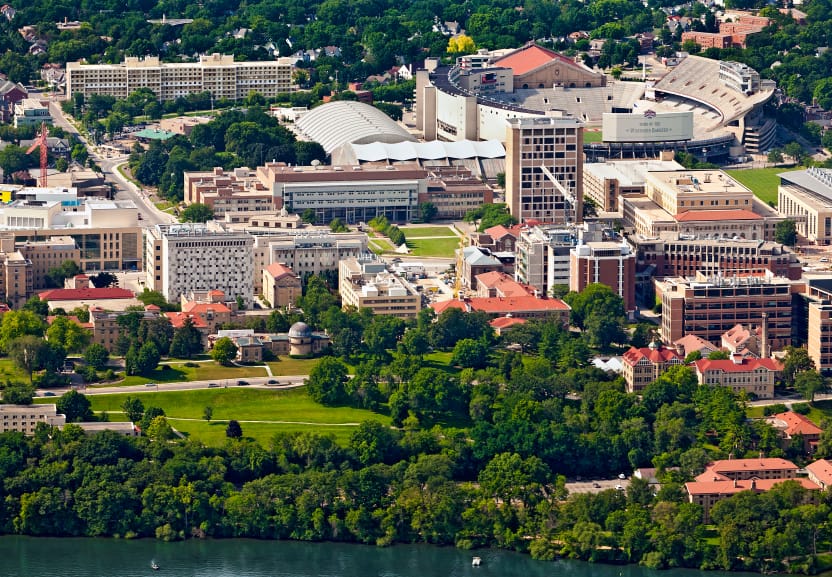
(327, 382)
(337, 225)
(96, 356)
(18, 393)
(55, 277)
(233, 430)
(308, 216)
(186, 341)
(600, 312)
(785, 232)
(427, 211)
(67, 333)
(797, 360)
(13, 159)
(794, 150)
(33, 354)
(470, 353)
(159, 429)
(197, 213)
(16, 324)
(37, 306)
(775, 156)
(208, 413)
(224, 351)
(104, 280)
(809, 383)
(75, 406)
(718, 355)
(133, 408)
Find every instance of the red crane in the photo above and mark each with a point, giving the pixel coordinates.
(44, 149)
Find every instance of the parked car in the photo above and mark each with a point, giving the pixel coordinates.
(242, 383)
(212, 385)
(273, 382)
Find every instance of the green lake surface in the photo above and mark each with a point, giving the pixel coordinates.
(33, 557)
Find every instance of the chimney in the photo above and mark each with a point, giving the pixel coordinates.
(764, 352)
(753, 484)
(736, 358)
(735, 484)
(680, 350)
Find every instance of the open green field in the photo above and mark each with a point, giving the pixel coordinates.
(276, 410)
(423, 231)
(287, 366)
(176, 372)
(763, 182)
(10, 371)
(593, 136)
(380, 245)
(443, 247)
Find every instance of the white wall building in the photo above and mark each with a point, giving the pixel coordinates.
(181, 258)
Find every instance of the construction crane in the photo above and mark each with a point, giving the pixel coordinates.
(568, 195)
(44, 150)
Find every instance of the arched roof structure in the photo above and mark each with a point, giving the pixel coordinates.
(347, 121)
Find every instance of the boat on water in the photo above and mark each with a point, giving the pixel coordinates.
(476, 562)
(154, 566)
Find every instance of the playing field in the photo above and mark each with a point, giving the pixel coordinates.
(261, 412)
(442, 247)
(423, 231)
(763, 182)
(593, 136)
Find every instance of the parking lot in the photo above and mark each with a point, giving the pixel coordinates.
(597, 485)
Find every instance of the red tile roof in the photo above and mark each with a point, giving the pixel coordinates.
(505, 322)
(709, 215)
(797, 424)
(178, 319)
(728, 366)
(500, 231)
(517, 304)
(728, 487)
(719, 469)
(86, 294)
(530, 57)
(278, 270)
(441, 306)
(202, 308)
(738, 334)
(656, 355)
(503, 283)
(822, 470)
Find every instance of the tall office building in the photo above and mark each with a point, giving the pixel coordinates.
(544, 169)
(181, 258)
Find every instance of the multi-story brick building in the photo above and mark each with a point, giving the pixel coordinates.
(756, 377)
(609, 263)
(218, 74)
(644, 365)
(708, 306)
(231, 191)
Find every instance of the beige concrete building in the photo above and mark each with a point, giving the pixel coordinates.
(181, 258)
(228, 191)
(605, 182)
(48, 254)
(544, 169)
(24, 418)
(755, 377)
(366, 283)
(678, 191)
(215, 73)
(708, 306)
(281, 286)
(805, 196)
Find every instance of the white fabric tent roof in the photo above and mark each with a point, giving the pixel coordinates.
(433, 150)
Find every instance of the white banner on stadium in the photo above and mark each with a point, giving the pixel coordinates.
(647, 126)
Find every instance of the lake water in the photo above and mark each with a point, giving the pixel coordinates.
(30, 557)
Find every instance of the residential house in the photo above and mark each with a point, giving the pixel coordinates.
(792, 426)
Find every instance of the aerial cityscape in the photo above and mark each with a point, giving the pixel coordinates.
(546, 277)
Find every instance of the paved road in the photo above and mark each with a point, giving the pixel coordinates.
(126, 190)
(285, 382)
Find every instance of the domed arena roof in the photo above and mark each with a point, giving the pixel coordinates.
(300, 330)
(347, 121)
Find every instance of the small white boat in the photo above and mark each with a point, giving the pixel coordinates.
(476, 562)
(154, 566)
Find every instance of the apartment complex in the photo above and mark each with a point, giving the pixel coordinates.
(31, 112)
(218, 74)
(24, 418)
(544, 169)
(708, 306)
(642, 366)
(543, 256)
(609, 263)
(366, 283)
(181, 258)
(806, 197)
(352, 193)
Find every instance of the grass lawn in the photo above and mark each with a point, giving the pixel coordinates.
(443, 247)
(593, 136)
(422, 231)
(10, 371)
(176, 372)
(286, 410)
(754, 412)
(287, 366)
(763, 182)
(380, 245)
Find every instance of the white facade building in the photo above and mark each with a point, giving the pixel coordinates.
(181, 258)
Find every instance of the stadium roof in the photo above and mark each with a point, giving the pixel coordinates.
(346, 121)
(433, 150)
